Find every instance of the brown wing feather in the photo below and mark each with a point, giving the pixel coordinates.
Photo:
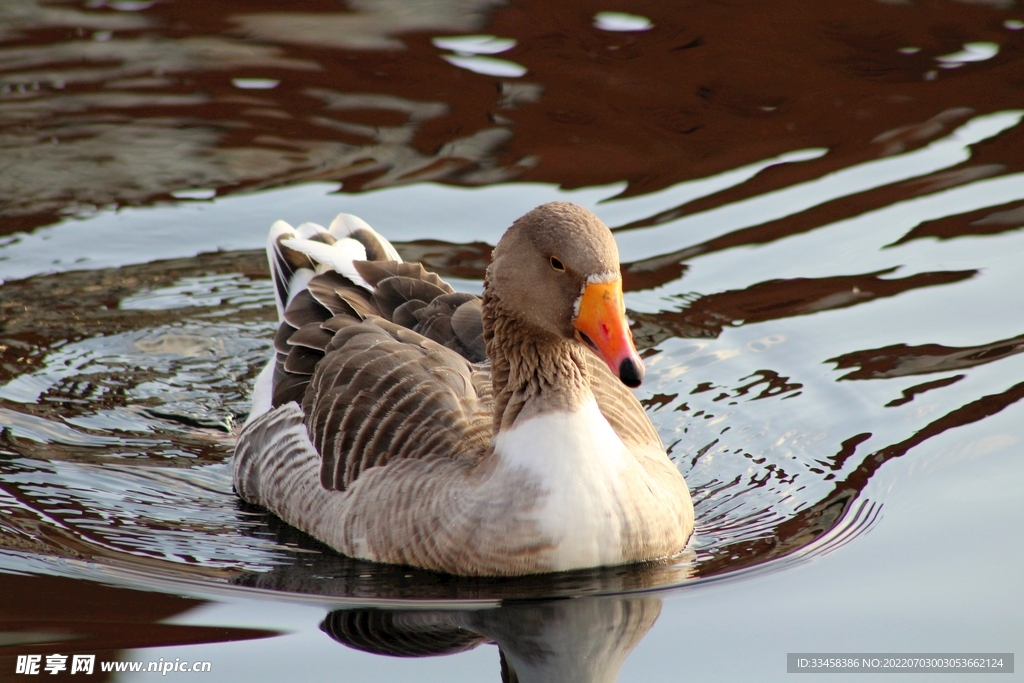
(373, 390)
(455, 321)
(312, 336)
(287, 386)
(468, 325)
(324, 288)
(383, 393)
(375, 271)
(338, 322)
(408, 294)
(405, 315)
(284, 333)
(392, 292)
(358, 299)
(304, 309)
(302, 360)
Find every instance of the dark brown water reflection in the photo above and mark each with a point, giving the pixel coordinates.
(818, 206)
(54, 613)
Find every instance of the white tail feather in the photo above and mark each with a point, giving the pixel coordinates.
(282, 281)
(307, 230)
(338, 256)
(344, 224)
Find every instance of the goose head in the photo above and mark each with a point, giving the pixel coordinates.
(556, 272)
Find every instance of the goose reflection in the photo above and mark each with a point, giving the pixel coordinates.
(582, 639)
(571, 626)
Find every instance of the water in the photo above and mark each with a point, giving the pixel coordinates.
(819, 211)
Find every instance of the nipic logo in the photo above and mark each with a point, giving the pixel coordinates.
(55, 663)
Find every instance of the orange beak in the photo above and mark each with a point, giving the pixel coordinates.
(601, 325)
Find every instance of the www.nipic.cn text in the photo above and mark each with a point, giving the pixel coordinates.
(86, 664)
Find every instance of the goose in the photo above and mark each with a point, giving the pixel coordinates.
(404, 423)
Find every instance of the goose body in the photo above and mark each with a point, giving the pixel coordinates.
(402, 422)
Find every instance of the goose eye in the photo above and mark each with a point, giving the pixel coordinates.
(556, 264)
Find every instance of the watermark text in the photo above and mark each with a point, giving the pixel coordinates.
(31, 665)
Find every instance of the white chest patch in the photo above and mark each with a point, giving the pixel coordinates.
(581, 465)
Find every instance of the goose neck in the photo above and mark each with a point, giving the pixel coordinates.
(532, 370)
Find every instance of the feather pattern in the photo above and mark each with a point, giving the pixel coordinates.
(384, 392)
(401, 428)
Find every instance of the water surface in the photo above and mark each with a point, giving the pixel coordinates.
(819, 211)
